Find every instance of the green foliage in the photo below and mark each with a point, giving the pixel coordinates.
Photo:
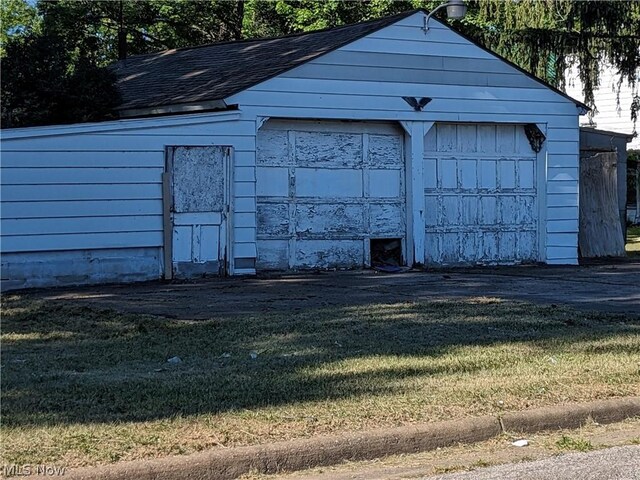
(291, 16)
(261, 19)
(532, 33)
(542, 36)
(17, 18)
(55, 73)
(44, 83)
(577, 444)
(126, 27)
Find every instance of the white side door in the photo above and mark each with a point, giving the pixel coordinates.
(196, 210)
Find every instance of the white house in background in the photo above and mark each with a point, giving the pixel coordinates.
(611, 115)
(307, 151)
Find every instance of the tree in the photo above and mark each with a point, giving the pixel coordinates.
(43, 83)
(58, 74)
(127, 27)
(542, 36)
(17, 18)
(546, 36)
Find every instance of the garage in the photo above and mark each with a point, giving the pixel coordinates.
(480, 195)
(377, 143)
(326, 190)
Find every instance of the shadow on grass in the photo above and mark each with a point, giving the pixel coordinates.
(68, 364)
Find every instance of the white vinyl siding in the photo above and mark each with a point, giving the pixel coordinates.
(613, 110)
(99, 186)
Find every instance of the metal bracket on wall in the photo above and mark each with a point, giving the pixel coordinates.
(417, 104)
(260, 121)
(535, 136)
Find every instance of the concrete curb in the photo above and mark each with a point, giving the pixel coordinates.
(224, 464)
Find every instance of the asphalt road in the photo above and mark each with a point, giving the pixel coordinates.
(619, 463)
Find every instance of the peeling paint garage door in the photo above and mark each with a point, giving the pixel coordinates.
(324, 190)
(480, 187)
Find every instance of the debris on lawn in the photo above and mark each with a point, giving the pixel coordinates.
(253, 354)
(390, 269)
(226, 355)
(520, 443)
(174, 360)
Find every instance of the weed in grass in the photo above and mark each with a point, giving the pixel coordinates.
(633, 241)
(441, 470)
(569, 443)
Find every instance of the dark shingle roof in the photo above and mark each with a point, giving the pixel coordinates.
(216, 71)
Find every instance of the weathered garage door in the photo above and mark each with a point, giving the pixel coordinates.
(481, 202)
(325, 189)
(196, 208)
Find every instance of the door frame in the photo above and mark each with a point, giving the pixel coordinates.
(542, 162)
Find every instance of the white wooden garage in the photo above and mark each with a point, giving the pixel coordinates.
(300, 152)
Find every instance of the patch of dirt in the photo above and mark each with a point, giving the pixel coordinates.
(611, 288)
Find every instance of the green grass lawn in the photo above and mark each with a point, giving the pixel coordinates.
(633, 240)
(86, 387)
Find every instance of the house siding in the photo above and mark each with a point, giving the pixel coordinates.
(613, 112)
(90, 195)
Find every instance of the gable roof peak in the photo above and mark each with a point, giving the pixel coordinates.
(202, 76)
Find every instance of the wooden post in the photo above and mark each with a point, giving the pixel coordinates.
(414, 152)
(167, 206)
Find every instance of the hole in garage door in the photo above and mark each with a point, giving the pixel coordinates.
(386, 253)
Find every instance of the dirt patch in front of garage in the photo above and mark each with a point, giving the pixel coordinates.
(599, 287)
